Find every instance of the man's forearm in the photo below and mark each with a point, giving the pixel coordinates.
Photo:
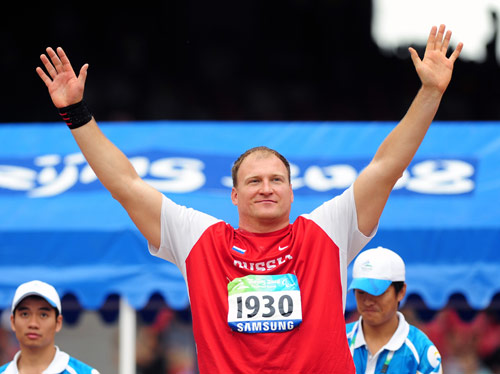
(111, 166)
(398, 149)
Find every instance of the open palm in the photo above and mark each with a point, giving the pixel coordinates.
(435, 69)
(65, 88)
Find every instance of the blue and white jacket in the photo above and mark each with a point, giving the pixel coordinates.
(62, 363)
(409, 351)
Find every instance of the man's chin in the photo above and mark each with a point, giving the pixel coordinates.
(370, 317)
(269, 217)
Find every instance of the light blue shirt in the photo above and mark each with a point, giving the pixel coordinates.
(61, 364)
(413, 352)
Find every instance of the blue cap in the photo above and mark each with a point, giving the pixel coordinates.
(375, 269)
(372, 286)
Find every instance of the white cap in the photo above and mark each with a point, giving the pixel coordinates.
(375, 269)
(37, 288)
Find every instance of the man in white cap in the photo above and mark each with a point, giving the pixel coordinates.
(35, 319)
(381, 341)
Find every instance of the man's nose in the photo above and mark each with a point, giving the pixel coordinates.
(266, 187)
(368, 299)
(33, 322)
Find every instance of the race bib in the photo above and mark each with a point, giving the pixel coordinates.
(264, 303)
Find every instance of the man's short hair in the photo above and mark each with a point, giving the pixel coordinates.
(260, 149)
(398, 286)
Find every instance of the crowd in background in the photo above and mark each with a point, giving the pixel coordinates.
(165, 344)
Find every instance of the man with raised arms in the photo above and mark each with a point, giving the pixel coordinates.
(269, 296)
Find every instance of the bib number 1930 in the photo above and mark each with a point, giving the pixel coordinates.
(264, 303)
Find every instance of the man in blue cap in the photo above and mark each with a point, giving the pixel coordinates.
(381, 341)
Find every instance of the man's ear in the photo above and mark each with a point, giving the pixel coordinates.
(234, 196)
(59, 322)
(401, 294)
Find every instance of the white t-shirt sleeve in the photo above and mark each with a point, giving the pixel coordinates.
(338, 218)
(181, 228)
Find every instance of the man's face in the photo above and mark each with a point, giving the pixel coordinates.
(35, 323)
(264, 194)
(378, 310)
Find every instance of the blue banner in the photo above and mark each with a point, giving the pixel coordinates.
(58, 222)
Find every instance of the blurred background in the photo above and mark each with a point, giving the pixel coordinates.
(296, 60)
(257, 60)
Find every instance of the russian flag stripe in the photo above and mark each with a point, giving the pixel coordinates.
(239, 250)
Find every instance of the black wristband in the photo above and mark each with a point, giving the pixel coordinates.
(75, 115)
